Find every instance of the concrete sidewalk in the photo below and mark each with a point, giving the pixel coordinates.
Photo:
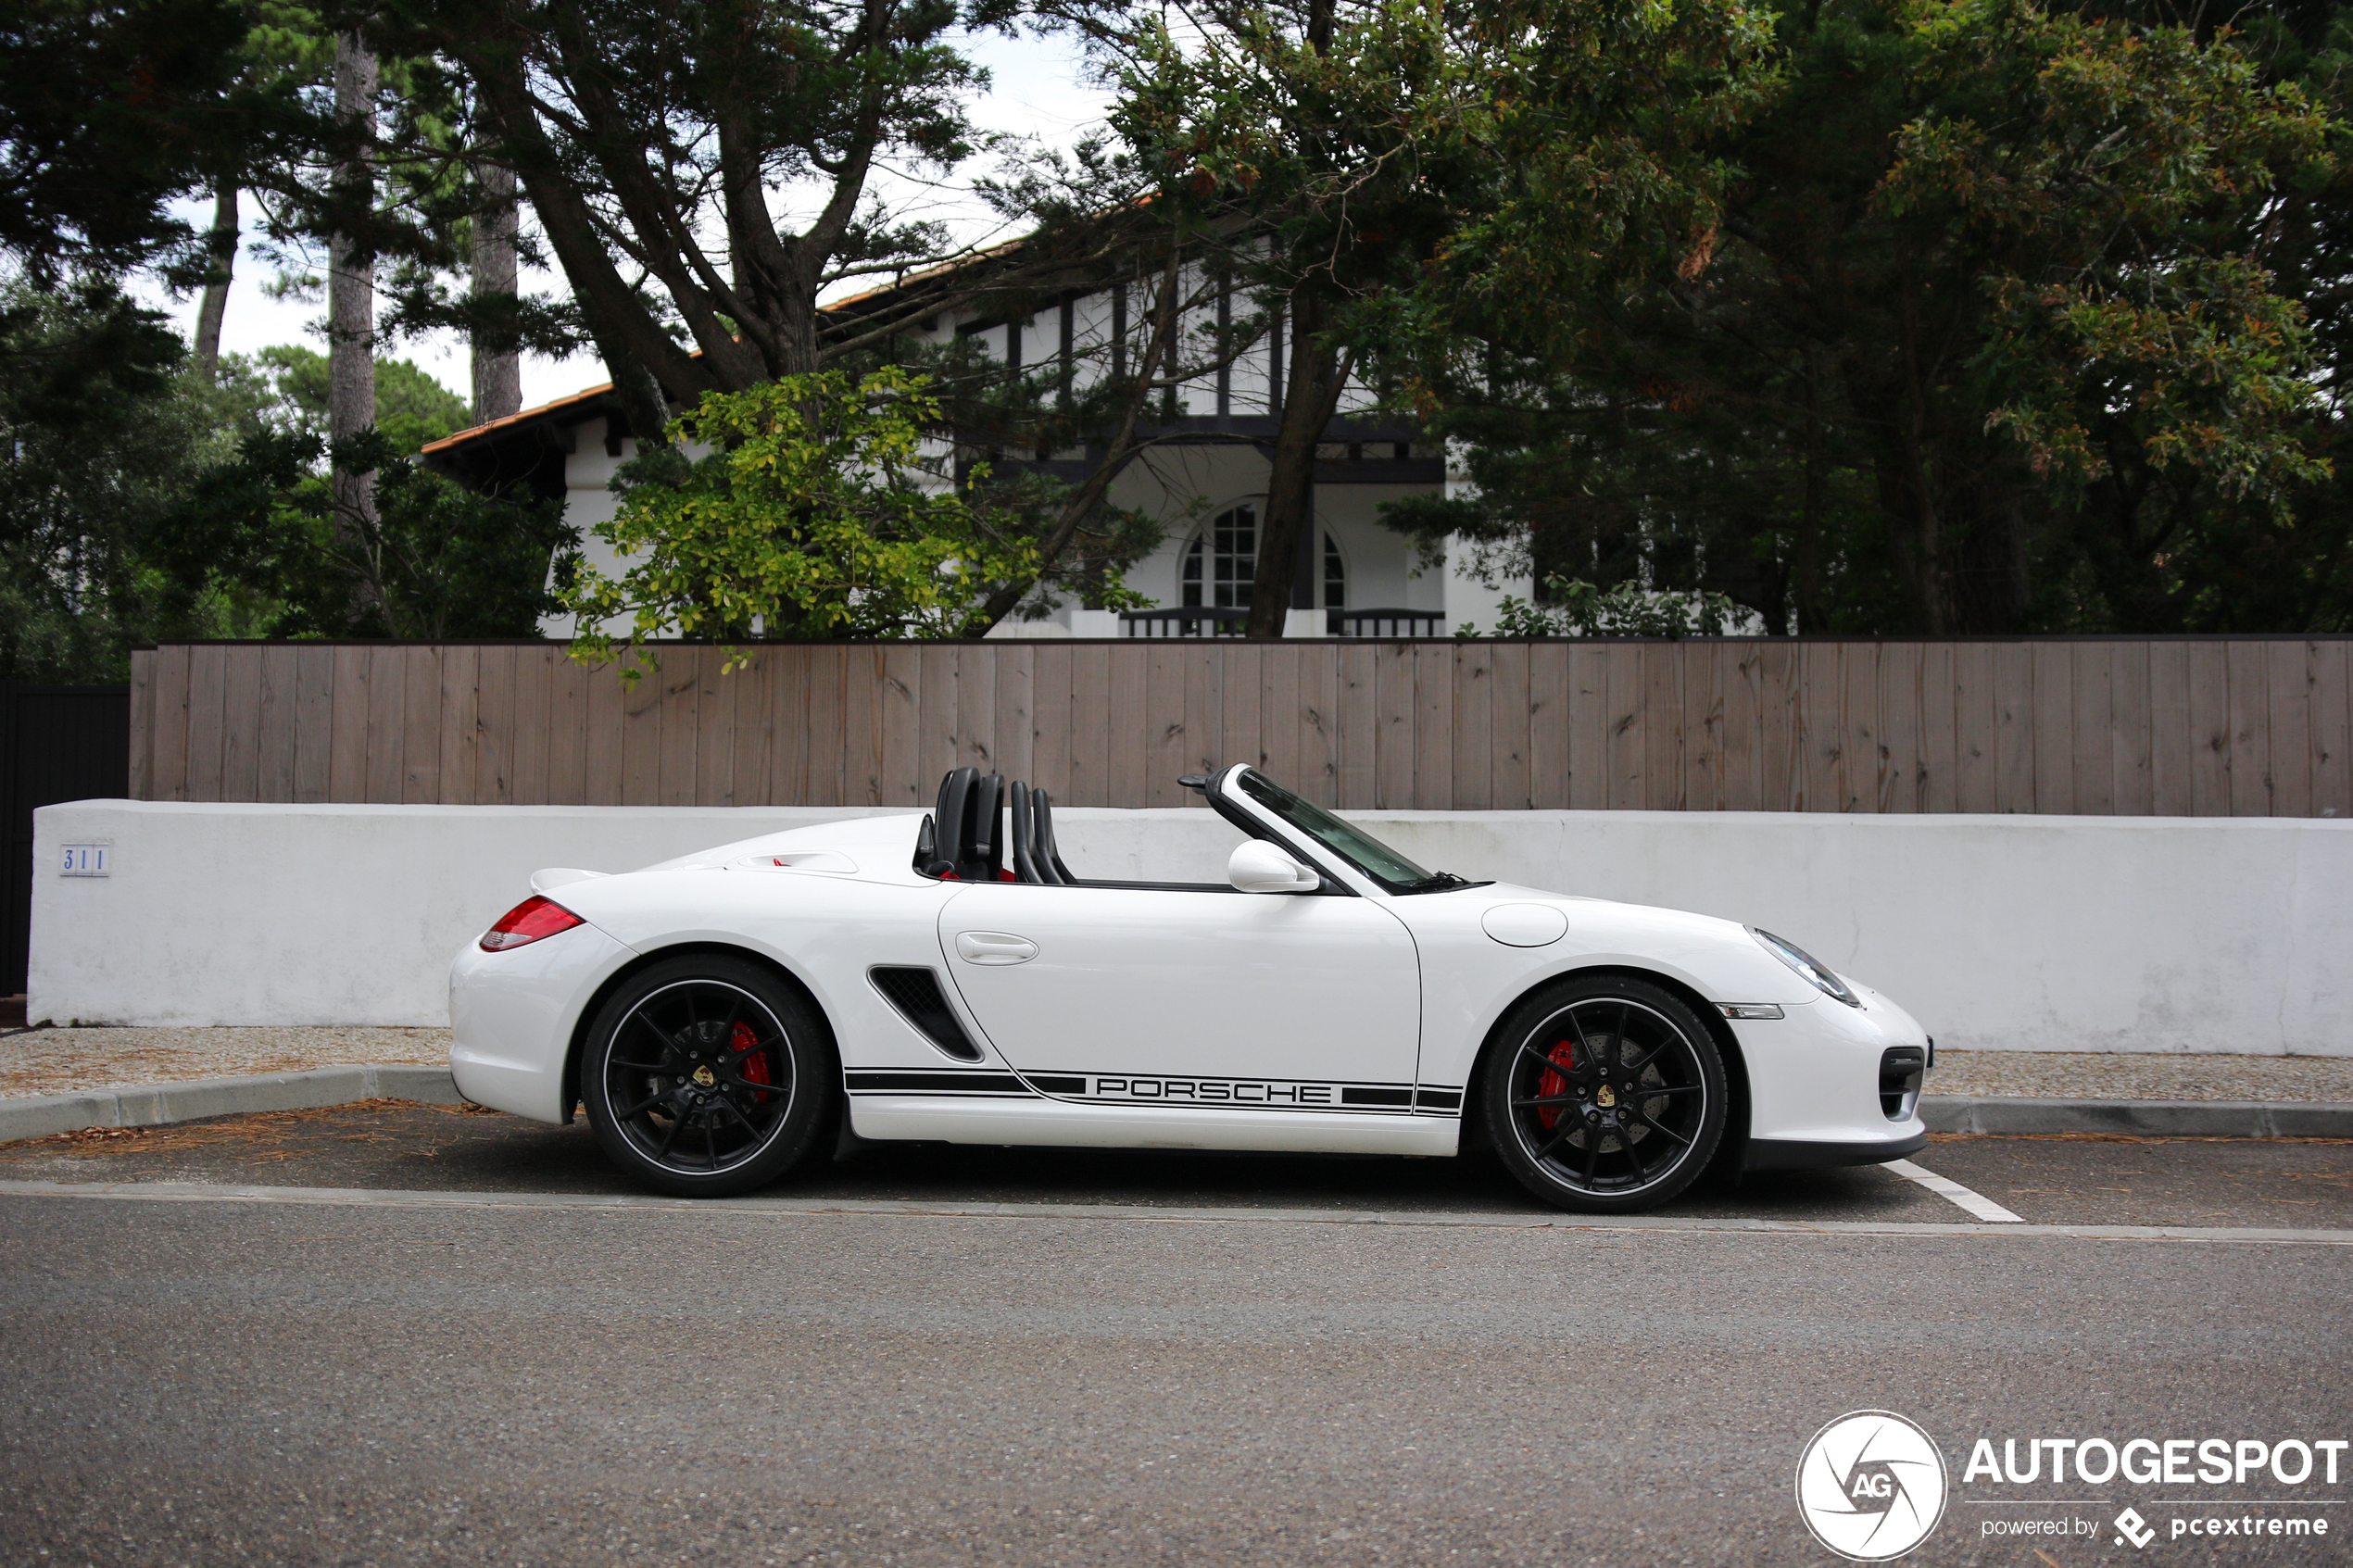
(65, 1080)
(55, 1061)
(2111, 1076)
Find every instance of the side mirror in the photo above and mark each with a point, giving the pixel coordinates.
(1260, 867)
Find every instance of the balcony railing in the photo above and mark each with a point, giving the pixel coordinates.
(1183, 620)
(1204, 621)
(1385, 623)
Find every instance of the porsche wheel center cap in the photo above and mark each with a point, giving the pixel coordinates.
(704, 1077)
(1606, 1098)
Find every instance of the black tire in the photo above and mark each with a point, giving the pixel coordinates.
(1606, 1095)
(706, 1076)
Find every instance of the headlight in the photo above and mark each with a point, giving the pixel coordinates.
(1815, 973)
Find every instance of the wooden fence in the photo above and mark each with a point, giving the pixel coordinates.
(2185, 726)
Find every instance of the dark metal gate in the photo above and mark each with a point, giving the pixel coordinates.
(57, 743)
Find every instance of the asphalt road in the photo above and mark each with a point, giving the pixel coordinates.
(496, 1380)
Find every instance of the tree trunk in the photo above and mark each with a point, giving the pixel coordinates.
(1311, 395)
(645, 408)
(221, 244)
(352, 325)
(497, 372)
(1813, 616)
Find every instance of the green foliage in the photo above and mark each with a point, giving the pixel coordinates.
(1593, 134)
(2004, 323)
(413, 409)
(2082, 163)
(93, 451)
(1873, 316)
(152, 501)
(1392, 174)
(1570, 607)
(109, 109)
(649, 140)
(812, 514)
(445, 562)
(1444, 175)
(248, 544)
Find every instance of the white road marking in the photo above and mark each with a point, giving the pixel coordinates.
(1952, 1192)
(836, 1207)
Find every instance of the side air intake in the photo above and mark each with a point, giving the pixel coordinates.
(915, 993)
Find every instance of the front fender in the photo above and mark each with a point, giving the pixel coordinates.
(1470, 980)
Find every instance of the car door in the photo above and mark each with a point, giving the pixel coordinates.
(1202, 998)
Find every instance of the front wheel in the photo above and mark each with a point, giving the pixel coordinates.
(706, 1076)
(1604, 1095)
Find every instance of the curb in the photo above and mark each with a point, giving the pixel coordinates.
(153, 1105)
(2139, 1118)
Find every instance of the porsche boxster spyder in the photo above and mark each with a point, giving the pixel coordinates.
(947, 977)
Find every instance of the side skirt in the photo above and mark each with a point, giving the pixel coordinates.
(1055, 1124)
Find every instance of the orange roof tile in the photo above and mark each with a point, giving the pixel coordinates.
(469, 433)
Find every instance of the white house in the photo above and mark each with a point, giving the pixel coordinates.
(1206, 483)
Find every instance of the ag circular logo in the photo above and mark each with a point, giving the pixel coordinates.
(1871, 1486)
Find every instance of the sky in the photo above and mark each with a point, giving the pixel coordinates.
(1037, 89)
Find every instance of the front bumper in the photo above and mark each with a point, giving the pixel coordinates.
(1815, 1084)
(1805, 1154)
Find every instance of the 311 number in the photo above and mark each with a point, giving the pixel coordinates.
(84, 860)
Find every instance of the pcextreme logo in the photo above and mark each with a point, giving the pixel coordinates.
(1871, 1486)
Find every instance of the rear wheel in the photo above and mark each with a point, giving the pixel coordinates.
(706, 1076)
(1606, 1095)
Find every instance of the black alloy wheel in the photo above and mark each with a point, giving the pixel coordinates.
(707, 1076)
(1605, 1096)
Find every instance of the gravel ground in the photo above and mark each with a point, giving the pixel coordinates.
(51, 1061)
(57, 1061)
(2113, 1075)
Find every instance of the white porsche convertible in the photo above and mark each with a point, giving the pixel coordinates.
(946, 977)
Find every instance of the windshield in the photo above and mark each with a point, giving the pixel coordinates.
(1354, 844)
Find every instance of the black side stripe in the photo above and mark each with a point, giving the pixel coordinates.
(937, 1083)
(1384, 1097)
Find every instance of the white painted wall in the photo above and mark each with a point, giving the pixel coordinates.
(2000, 933)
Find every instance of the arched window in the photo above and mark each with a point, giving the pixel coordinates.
(1223, 560)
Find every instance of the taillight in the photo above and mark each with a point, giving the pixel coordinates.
(528, 921)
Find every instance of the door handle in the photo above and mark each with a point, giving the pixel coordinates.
(994, 948)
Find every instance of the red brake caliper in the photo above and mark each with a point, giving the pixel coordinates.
(1549, 1083)
(755, 1068)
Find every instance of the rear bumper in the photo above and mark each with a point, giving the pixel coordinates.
(1798, 1154)
(511, 1017)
